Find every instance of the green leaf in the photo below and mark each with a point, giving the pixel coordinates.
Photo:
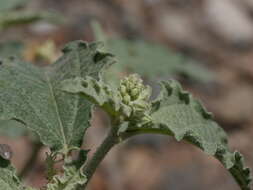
(148, 59)
(98, 93)
(99, 34)
(11, 128)
(14, 18)
(70, 180)
(152, 60)
(6, 5)
(8, 178)
(177, 113)
(31, 95)
(11, 48)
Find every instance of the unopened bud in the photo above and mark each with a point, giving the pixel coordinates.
(135, 95)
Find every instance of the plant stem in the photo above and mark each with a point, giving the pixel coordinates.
(130, 133)
(111, 140)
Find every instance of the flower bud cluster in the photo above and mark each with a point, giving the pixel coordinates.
(136, 95)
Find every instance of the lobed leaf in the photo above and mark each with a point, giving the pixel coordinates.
(8, 178)
(152, 60)
(8, 49)
(177, 113)
(139, 56)
(70, 180)
(98, 93)
(31, 95)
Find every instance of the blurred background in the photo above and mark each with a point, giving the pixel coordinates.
(205, 44)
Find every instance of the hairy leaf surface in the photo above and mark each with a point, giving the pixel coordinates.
(98, 93)
(8, 178)
(176, 113)
(9, 49)
(31, 95)
(70, 180)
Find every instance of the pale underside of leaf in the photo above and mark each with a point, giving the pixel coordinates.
(70, 180)
(98, 93)
(177, 113)
(31, 95)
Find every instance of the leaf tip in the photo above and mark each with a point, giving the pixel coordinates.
(74, 45)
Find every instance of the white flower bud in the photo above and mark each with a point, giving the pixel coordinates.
(135, 95)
